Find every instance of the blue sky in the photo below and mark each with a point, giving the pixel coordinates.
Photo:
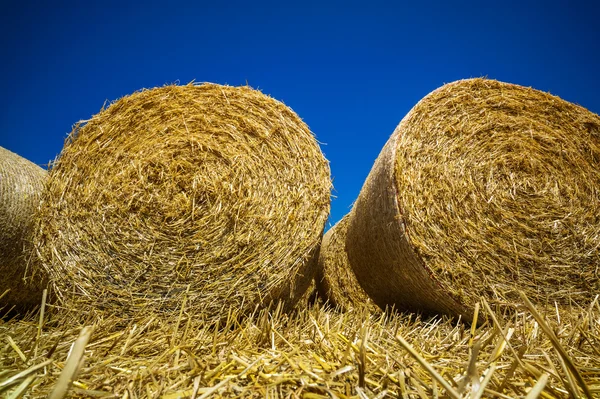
(350, 69)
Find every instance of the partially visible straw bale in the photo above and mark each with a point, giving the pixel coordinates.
(336, 281)
(485, 188)
(21, 184)
(206, 196)
(309, 298)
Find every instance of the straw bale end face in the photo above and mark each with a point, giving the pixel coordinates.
(484, 189)
(21, 184)
(213, 194)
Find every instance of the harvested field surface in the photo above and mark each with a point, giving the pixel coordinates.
(313, 353)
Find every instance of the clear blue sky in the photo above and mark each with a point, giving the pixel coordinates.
(351, 70)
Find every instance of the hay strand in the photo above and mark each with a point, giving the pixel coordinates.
(15, 378)
(451, 391)
(556, 343)
(22, 388)
(537, 389)
(72, 366)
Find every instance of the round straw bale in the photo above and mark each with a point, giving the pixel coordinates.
(211, 193)
(484, 189)
(309, 297)
(21, 184)
(336, 281)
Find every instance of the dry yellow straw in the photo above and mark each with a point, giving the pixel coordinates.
(220, 189)
(335, 278)
(484, 189)
(21, 184)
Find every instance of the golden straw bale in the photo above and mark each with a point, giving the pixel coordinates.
(484, 189)
(308, 299)
(336, 281)
(213, 194)
(21, 184)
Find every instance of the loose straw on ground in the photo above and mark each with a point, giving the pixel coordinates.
(318, 352)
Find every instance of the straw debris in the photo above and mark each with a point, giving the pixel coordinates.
(21, 184)
(484, 189)
(207, 195)
(335, 278)
(317, 353)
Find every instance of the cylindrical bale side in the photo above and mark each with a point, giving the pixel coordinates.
(213, 194)
(484, 189)
(307, 299)
(21, 184)
(336, 281)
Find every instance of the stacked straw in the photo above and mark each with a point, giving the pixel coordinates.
(194, 198)
(21, 183)
(335, 279)
(484, 189)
